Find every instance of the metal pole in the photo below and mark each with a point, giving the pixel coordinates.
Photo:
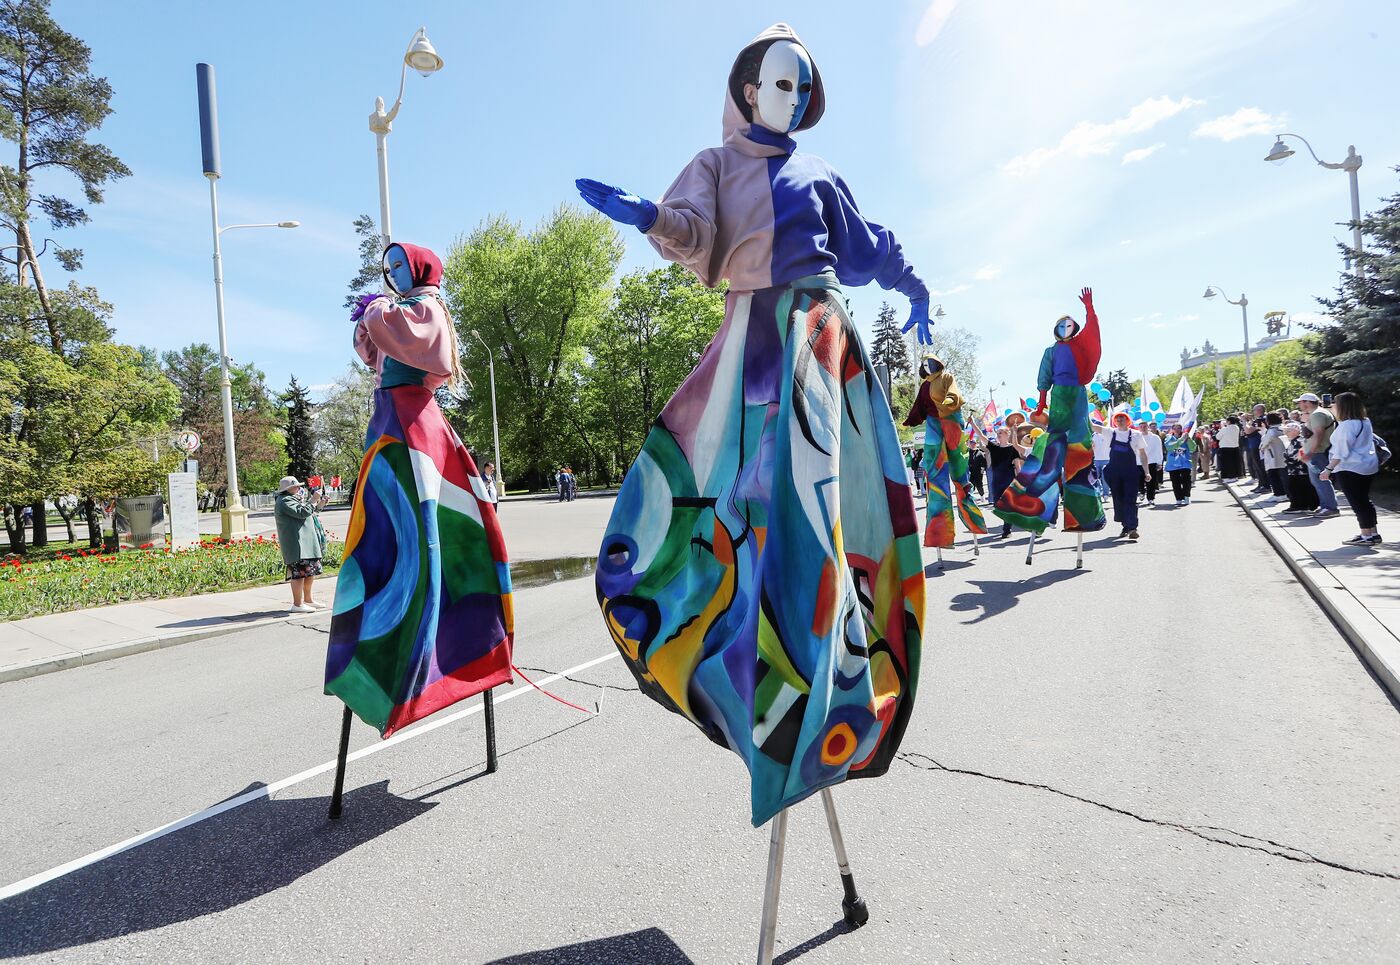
(1352, 169)
(768, 927)
(976, 549)
(495, 424)
(1030, 548)
(234, 516)
(939, 551)
(1244, 314)
(1079, 558)
(852, 905)
(381, 139)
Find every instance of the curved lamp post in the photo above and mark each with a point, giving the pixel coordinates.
(1211, 292)
(1351, 164)
(423, 58)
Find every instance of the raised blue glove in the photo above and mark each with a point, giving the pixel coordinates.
(918, 315)
(618, 204)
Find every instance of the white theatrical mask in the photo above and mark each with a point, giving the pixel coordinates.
(1065, 327)
(784, 86)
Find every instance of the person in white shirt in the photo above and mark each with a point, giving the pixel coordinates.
(1353, 463)
(1100, 458)
(1227, 439)
(1152, 446)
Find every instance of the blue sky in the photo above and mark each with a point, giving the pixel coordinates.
(1019, 149)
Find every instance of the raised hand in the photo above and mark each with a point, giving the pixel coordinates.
(361, 304)
(617, 204)
(918, 315)
(1086, 295)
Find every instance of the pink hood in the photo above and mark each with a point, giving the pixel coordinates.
(735, 123)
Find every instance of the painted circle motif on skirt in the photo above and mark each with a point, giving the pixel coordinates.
(839, 745)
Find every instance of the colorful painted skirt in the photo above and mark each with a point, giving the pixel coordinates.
(1060, 467)
(423, 615)
(945, 458)
(761, 572)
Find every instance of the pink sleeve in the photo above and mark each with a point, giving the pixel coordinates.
(684, 231)
(419, 335)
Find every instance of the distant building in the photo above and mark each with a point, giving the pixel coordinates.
(1280, 329)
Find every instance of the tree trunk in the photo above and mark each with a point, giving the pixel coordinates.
(94, 523)
(14, 526)
(40, 539)
(26, 241)
(67, 520)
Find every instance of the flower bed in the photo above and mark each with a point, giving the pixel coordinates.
(88, 578)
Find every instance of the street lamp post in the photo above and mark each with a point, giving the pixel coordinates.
(1351, 164)
(234, 516)
(1211, 292)
(495, 425)
(423, 58)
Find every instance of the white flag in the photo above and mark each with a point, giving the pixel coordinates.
(1189, 418)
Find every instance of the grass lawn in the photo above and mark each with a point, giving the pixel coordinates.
(57, 580)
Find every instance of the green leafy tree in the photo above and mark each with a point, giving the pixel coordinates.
(535, 297)
(50, 103)
(656, 329)
(342, 421)
(370, 276)
(1275, 382)
(1118, 383)
(957, 348)
(888, 346)
(1360, 351)
(300, 434)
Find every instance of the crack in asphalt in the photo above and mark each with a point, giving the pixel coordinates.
(580, 680)
(1265, 845)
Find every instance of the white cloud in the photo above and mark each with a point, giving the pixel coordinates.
(955, 290)
(931, 24)
(987, 272)
(1188, 318)
(1244, 122)
(1088, 139)
(1142, 153)
(1125, 242)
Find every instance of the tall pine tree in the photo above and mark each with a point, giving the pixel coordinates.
(301, 442)
(1360, 351)
(888, 345)
(370, 276)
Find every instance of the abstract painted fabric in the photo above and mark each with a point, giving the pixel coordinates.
(945, 461)
(423, 615)
(761, 572)
(1059, 468)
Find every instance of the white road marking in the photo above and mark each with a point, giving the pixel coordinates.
(44, 877)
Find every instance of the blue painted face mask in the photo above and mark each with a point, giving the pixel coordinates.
(784, 86)
(397, 271)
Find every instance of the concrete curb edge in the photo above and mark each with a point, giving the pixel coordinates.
(1368, 636)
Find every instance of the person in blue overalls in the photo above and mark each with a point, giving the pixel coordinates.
(1127, 464)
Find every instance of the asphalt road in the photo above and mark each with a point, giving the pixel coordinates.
(1170, 755)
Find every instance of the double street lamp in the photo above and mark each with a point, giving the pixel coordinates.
(234, 516)
(1211, 292)
(1351, 164)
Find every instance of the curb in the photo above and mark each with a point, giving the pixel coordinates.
(1375, 644)
(128, 647)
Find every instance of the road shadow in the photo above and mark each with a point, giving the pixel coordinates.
(938, 569)
(195, 623)
(994, 597)
(649, 946)
(206, 868)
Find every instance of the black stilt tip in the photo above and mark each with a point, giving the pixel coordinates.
(853, 905)
(855, 912)
(334, 812)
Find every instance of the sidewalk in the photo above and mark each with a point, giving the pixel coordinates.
(1358, 586)
(44, 644)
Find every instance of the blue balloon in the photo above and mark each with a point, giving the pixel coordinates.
(1160, 417)
(1005, 411)
(1154, 406)
(1137, 402)
(1105, 395)
(1096, 387)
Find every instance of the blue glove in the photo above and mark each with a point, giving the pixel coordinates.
(618, 204)
(918, 315)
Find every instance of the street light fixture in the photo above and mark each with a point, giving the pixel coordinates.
(423, 58)
(1352, 163)
(234, 516)
(495, 426)
(1211, 291)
